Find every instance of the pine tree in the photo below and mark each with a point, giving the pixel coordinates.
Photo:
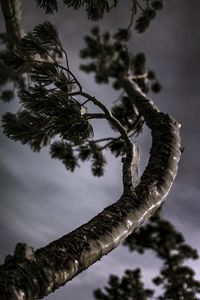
(54, 112)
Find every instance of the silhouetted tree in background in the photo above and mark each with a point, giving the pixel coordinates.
(54, 111)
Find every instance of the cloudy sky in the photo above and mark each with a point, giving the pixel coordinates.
(40, 201)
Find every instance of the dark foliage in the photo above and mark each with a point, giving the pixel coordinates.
(108, 54)
(48, 5)
(148, 14)
(47, 114)
(95, 8)
(49, 111)
(64, 152)
(117, 147)
(98, 161)
(7, 95)
(169, 245)
(109, 57)
(26, 128)
(44, 40)
(9, 80)
(93, 152)
(128, 287)
(128, 116)
(145, 10)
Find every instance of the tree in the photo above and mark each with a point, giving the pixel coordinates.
(57, 112)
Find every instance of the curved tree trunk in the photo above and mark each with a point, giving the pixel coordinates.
(33, 275)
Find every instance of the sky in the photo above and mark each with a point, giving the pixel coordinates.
(41, 201)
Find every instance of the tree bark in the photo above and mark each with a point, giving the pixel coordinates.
(13, 20)
(33, 275)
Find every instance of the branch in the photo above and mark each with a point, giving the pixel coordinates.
(13, 20)
(127, 161)
(33, 275)
(133, 12)
(165, 152)
(105, 139)
(95, 116)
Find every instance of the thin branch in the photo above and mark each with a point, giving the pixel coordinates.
(127, 161)
(105, 139)
(60, 86)
(66, 56)
(133, 12)
(108, 115)
(111, 139)
(119, 97)
(63, 68)
(135, 125)
(82, 104)
(106, 145)
(140, 76)
(63, 50)
(95, 116)
(110, 118)
(140, 7)
(73, 76)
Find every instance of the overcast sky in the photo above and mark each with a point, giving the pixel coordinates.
(41, 201)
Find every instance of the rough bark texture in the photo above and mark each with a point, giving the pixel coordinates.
(33, 275)
(13, 20)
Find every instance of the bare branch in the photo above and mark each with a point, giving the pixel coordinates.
(95, 116)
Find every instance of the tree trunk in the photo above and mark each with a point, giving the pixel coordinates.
(33, 275)
(13, 20)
